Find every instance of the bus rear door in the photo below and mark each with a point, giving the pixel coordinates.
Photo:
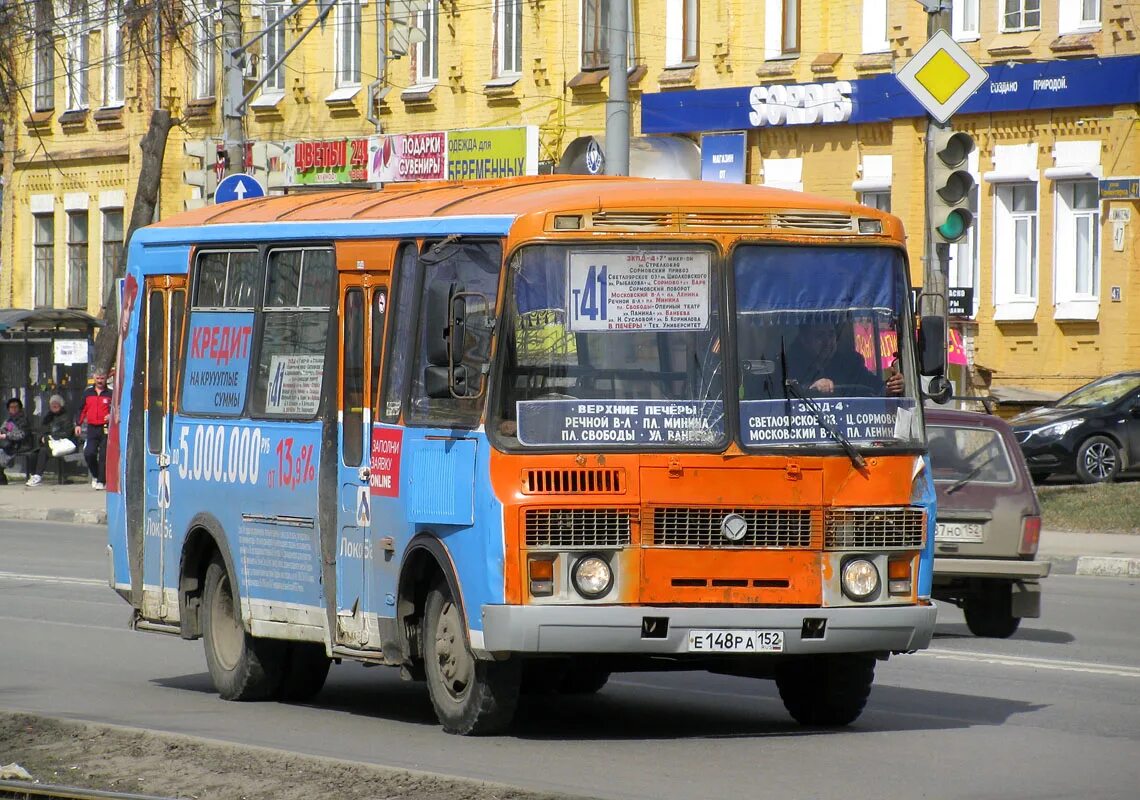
(165, 308)
(363, 301)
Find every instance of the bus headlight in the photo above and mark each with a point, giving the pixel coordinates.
(592, 577)
(860, 579)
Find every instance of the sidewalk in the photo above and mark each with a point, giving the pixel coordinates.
(1107, 554)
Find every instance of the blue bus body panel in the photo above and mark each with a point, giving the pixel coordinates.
(926, 561)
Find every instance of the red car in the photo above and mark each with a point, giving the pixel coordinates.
(988, 522)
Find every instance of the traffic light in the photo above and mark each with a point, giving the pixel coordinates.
(949, 185)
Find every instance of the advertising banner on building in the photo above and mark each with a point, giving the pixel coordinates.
(407, 157)
(723, 157)
(480, 153)
(327, 162)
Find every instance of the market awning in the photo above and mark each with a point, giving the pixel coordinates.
(46, 319)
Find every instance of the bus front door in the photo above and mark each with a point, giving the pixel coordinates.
(165, 307)
(362, 303)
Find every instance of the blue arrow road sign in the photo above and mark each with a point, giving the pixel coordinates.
(238, 186)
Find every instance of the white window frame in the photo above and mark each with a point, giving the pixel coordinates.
(348, 37)
(781, 17)
(1023, 11)
(682, 33)
(427, 52)
(1070, 301)
(78, 257)
(114, 68)
(1009, 303)
(77, 58)
(1078, 16)
(508, 43)
(43, 286)
(204, 48)
(274, 46)
(875, 38)
(43, 58)
(110, 202)
(600, 28)
(965, 20)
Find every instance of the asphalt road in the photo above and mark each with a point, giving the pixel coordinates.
(1052, 713)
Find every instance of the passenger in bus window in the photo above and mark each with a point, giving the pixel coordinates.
(820, 366)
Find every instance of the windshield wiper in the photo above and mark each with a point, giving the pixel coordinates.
(856, 458)
(958, 484)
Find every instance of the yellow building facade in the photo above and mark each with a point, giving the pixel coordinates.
(800, 93)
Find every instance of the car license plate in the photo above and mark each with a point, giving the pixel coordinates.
(958, 532)
(735, 641)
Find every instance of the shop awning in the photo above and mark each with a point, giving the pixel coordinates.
(46, 319)
(665, 157)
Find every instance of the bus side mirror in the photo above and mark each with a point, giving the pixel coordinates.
(932, 346)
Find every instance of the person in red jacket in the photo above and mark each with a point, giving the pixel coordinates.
(93, 413)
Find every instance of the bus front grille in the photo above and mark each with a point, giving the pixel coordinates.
(574, 481)
(707, 527)
(566, 528)
(874, 528)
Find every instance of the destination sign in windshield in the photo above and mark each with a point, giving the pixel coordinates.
(782, 422)
(611, 422)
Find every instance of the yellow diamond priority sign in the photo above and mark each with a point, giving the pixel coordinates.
(941, 76)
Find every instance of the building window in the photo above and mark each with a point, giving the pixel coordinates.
(596, 30)
(880, 200)
(43, 239)
(113, 68)
(964, 255)
(1020, 15)
(781, 28)
(77, 259)
(348, 43)
(875, 26)
(508, 37)
(682, 32)
(112, 246)
(427, 51)
(204, 49)
(45, 58)
(964, 19)
(274, 47)
(1077, 240)
(1078, 15)
(78, 56)
(1015, 246)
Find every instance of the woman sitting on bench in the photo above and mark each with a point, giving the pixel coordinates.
(55, 425)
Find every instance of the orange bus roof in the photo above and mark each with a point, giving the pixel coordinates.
(513, 196)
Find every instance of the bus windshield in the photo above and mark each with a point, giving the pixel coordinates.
(818, 346)
(613, 346)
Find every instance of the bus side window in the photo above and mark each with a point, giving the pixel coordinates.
(401, 334)
(379, 309)
(353, 386)
(155, 366)
(473, 267)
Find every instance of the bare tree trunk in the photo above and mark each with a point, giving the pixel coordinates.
(153, 146)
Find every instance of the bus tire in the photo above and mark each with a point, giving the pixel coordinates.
(241, 666)
(471, 696)
(826, 690)
(306, 668)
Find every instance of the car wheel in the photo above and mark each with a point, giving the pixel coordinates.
(1098, 460)
(470, 695)
(989, 612)
(826, 690)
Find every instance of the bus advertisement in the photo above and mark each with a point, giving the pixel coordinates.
(514, 436)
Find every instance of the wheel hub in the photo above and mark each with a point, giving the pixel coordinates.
(1100, 461)
(226, 635)
(455, 663)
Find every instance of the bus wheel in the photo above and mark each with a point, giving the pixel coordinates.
(306, 668)
(470, 695)
(242, 667)
(826, 690)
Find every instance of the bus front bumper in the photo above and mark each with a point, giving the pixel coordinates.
(642, 630)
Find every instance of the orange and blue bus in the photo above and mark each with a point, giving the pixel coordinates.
(519, 435)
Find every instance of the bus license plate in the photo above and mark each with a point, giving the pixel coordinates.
(958, 532)
(734, 641)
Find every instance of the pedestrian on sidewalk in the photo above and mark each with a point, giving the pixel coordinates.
(92, 422)
(13, 436)
(55, 426)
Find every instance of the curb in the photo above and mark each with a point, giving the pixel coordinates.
(74, 516)
(1108, 566)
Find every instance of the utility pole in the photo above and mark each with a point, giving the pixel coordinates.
(617, 102)
(233, 135)
(936, 259)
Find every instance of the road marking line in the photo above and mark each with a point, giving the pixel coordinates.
(17, 576)
(1033, 663)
